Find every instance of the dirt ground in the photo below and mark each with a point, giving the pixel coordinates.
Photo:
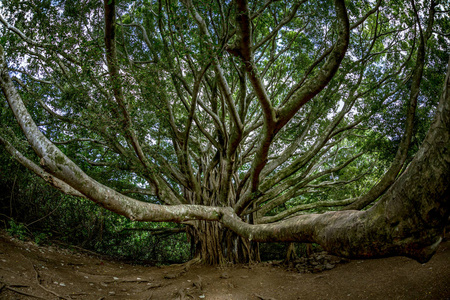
(28, 271)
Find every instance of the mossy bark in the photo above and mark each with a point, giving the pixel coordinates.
(409, 219)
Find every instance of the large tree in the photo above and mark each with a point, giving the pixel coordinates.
(239, 118)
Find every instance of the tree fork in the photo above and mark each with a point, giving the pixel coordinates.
(408, 220)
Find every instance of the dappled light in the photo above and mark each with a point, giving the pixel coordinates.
(192, 133)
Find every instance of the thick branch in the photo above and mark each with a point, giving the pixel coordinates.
(402, 152)
(408, 219)
(156, 231)
(50, 179)
(315, 84)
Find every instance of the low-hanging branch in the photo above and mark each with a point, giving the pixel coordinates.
(246, 111)
(155, 231)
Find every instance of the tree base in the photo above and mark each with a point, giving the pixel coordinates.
(213, 244)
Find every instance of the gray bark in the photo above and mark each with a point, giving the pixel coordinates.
(408, 219)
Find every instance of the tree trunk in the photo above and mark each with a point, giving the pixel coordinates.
(409, 219)
(213, 244)
(291, 254)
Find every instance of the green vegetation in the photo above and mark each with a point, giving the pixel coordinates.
(239, 121)
(32, 210)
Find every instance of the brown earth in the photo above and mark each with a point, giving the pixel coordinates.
(28, 271)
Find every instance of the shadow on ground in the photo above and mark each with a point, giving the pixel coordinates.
(28, 271)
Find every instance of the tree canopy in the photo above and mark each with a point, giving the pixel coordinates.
(251, 113)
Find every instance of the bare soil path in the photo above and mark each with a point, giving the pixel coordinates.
(28, 271)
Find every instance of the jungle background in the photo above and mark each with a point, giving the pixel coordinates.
(331, 153)
(73, 249)
(31, 210)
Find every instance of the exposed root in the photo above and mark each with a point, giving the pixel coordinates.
(263, 298)
(6, 287)
(44, 288)
(192, 262)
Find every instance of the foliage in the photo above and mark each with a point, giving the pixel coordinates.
(274, 108)
(46, 216)
(18, 230)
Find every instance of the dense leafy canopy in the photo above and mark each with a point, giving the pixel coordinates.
(272, 108)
